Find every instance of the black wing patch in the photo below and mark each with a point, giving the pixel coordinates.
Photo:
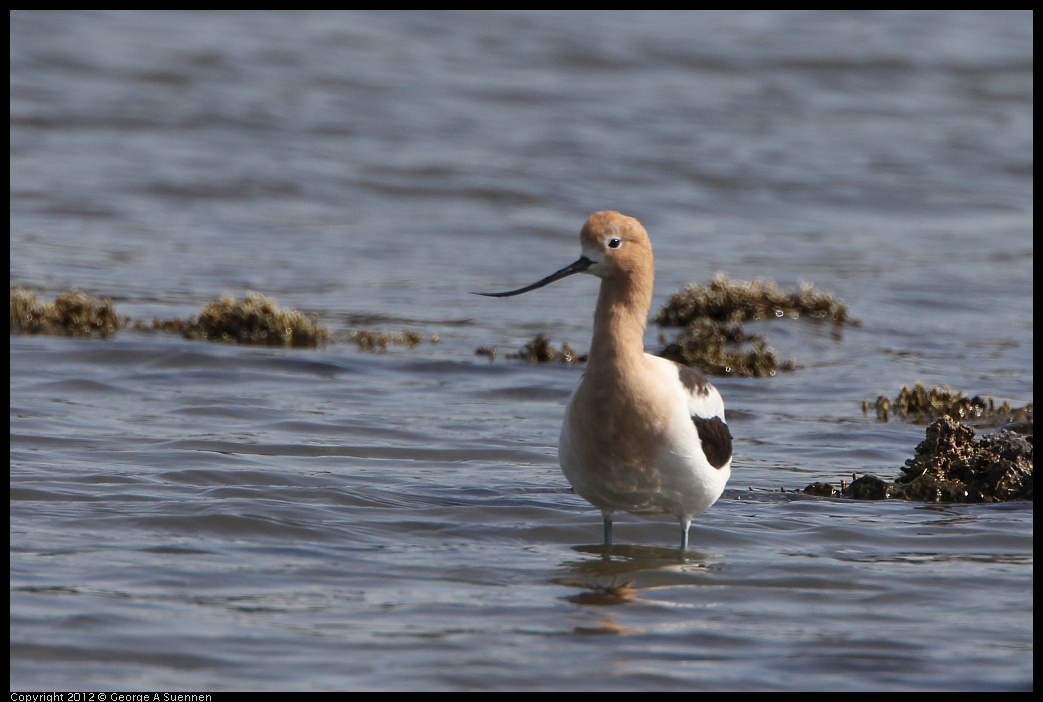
(716, 439)
(694, 381)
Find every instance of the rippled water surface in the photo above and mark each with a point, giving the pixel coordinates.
(209, 517)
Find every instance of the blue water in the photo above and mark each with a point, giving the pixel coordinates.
(192, 516)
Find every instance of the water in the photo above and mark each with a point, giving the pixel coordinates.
(199, 516)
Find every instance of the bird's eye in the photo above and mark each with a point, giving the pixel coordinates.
(615, 242)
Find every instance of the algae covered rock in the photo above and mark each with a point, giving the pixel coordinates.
(951, 465)
(919, 405)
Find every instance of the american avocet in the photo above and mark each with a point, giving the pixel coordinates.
(641, 434)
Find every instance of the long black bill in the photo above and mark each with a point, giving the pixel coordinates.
(578, 267)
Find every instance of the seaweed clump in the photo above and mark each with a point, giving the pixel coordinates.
(712, 315)
(724, 301)
(253, 320)
(920, 405)
(256, 319)
(720, 348)
(379, 341)
(539, 350)
(951, 466)
(72, 313)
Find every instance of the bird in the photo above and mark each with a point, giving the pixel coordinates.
(641, 434)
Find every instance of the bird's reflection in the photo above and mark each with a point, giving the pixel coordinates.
(623, 575)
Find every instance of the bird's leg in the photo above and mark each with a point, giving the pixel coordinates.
(685, 523)
(608, 528)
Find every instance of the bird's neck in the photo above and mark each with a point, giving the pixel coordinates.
(619, 322)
